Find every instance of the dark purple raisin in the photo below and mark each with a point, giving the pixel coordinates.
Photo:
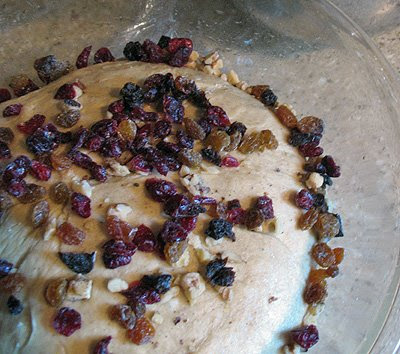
(332, 169)
(237, 127)
(268, 98)
(162, 129)
(233, 204)
(179, 206)
(132, 95)
(168, 148)
(117, 253)
(42, 141)
(211, 156)
(297, 138)
(5, 152)
(173, 109)
(199, 99)
(159, 282)
(184, 140)
(264, 204)
(218, 228)
(133, 51)
(105, 128)
(81, 263)
(306, 336)
(5, 268)
(102, 345)
(305, 199)
(12, 110)
(311, 150)
(14, 305)
(153, 52)
(111, 148)
(218, 274)
(103, 55)
(5, 95)
(163, 41)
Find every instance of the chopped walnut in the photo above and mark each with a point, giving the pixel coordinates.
(116, 169)
(233, 78)
(193, 182)
(82, 186)
(157, 318)
(117, 285)
(211, 242)
(184, 260)
(202, 254)
(170, 294)
(315, 181)
(79, 288)
(120, 210)
(193, 286)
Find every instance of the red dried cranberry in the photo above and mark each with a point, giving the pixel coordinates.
(264, 204)
(306, 336)
(168, 148)
(40, 170)
(162, 129)
(31, 125)
(173, 109)
(172, 232)
(332, 169)
(172, 163)
(159, 189)
(94, 143)
(217, 116)
(144, 239)
(16, 188)
(161, 166)
(175, 43)
(116, 107)
(5, 267)
(138, 293)
(153, 53)
(102, 346)
(189, 224)
(199, 199)
(12, 110)
(180, 57)
(111, 148)
(105, 128)
(117, 253)
(236, 215)
(79, 138)
(304, 199)
(17, 169)
(5, 95)
(80, 204)
(230, 161)
(67, 321)
(184, 140)
(311, 150)
(139, 164)
(66, 91)
(5, 152)
(133, 51)
(103, 55)
(83, 58)
(98, 172)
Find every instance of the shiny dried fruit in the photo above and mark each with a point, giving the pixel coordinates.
(49, 68)
(323, 255)
(218, 274)
(304, 199)
(60, 162)
(5, 95)
(5, 152)
(56, 291)
(190, 158)
(12, 283)
(6, 135)
(310, 125)
(59, 193)
(218, 228)
(327, 225)
(40, 170)
(229, 161)
(12, 110)
(317, 276)
(118, 253)
(235, 139)
(81, 263)
(236, 216)
(83, 58)
(162, 129)
(80, 204)
(315, 293)
(22, 84)
(33, 193)
(144, 239)
(127, 129)
(103, 55)
(216, 116)
(308, 219)
(172, 232)
(134, 51)
(132, 95)
(5, 268)
(67, 321)
(254, 218)
(268, 98)
(68, 119)
(250, 143)
(40, 213)
(160, 190)
(102, 345)
(143, 332)
(311, 150)
(332, 271)
(267, 140)
(69, 234)
(264, 204)
(339, 255)
(173, 251)
(211, 156)
(218, 140)
(124, 315)
(119, 229)
(14, 305)
(193, 129)
(159, 282)
(286, 116)
(332, 169)
(306, 336)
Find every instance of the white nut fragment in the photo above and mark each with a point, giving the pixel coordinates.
(242, 85)
(50, 229)
(210, 242)
(208, 70)
(79, 288)
(184, 260)
(193, 286)
(225, 292)
(211, 58)
(117, 285)
(312, 314)
(219, 64)
(120, 210)
(82, 186)
(193, 182)
(116, 169)
(233, 78)
(78, 90)
(193, 56)
(291, 349)
(224, 77)
(202, 254)
(314, 181)
(170, 294)
(157, 318)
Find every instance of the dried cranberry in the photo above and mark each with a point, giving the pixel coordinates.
(102, 346)
(184, 140)
(211, 156)
(5, 268)
(22, 85)
(304, 199)
(160, 190)
(16, 188)
(188, 223)
(175, 43)
(236, 215)
(12, 110)
(133, 51)
(230, 161)
(172, 163)
(332, 169)
(141, 293)
(83, 58)
(117, 253)
(79, 138)
(132, 95)
(264, 204)
(5, 152)
(198, 199)
(5, 95)
(42, 141)
(168, 148)
(139, 164)
(103, 55)
(306, 336)
(172, 232)
(153, 53)
(116, 107)
(159, 282)
(31, 125)
(67, 321)
(66, 91)
(94, 143)
(173, 109)
(111, 148)
(217, 116)
(162, 129)
(80, 204)
(311, 150)
(105, 128)
(98, 172)
(144, 239)
(180, 57)
(17, 169)
(40, 170)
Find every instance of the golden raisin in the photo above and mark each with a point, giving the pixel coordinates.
(60, 162)
(267, 140)
(308, 219)
(127, 129)
(218, 140)
(286, 116)
(333, 271)
(40, 213)
(258, 90)
(254, 218)
(59, 193)
(327, 225)
(310, 124)
(236, 138)
(12, 283)
(317, 276)
(339, 255)
(119, 229)
(124, 315)
(56, 291)
(69, 234)
(315, 293)
(323, 255)
(143, 331)
(174, 251)
(33, 194)
(193, 129)
(190, 158)
(68, 119)
(250, 143)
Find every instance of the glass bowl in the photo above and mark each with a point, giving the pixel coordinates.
(315, 58)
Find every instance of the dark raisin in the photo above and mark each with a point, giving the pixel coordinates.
(160, 190)
(268, 98)
(173, 109)
(5, 152)
(105, 128)
(133, 51)
(211, 156)
(318, 200)
(254, 218)
(172, 232)
(22, 85)
(12, 110)
(311, 150)
(80, 204)
(162, 129)
(81, 263)
(218, 228)
(14, 305)
(103, 55)
(67, 321)
(297, 138)
(5, 95)
(214, 266)
(264, 204)
(310, 125)
(161, 283)
(5, 268)
(304, 199)
(179, 206)
(6, 135)
(218, 274)
(237, 127)
(111, 148)
(232, 204)
(138, 307)
(163, 41)
(117, 253)
(94, 143)
(180, 57)
(132, 95)
(101, 346)
(41, 141)
(340, 233)
(199, 99)
(153, 53)
(49, 68)
(332, 169)
(184, 87)
(168, 148)
(124, 315)
(306, 336)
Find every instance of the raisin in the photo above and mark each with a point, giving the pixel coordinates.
(17, 188)
(5, 95)
(5, 268)
(318, 200)
(94, 143)
(103, 55)
(159, 282)
(183, 87)
(173, 251)
(162, 129)
(40, 171)
(235, 139)
(12, 110)
(190, 158)
(193, 129)
(254, 218)
(264, 204)
(339, 255)
(163, 41)
(286, 116)
(333, 271)
(105, 128)
(144, 239)
(6, 135)
(308, 219)
(211, 156)
(230, 161)
(304, 199)
(69, 234)
(172, 232)
(55, 292)
(143, 332)
(81, 263)
(311, 125)
(267, 140)
(22, 84)
(82, 60)
(138, 164)
(33, 193)
(179, 206)
(268, 98)
(297, 138)
(315, 293)
(160, 190)
(306, 336)
(218, 228)
(200, 99)
(40, 213)
(218, 274)
(60, 162)
(101, 346)
(173, 109)
(133, 51)
(311, 150)
(327, 225)
(250, 143)
(204, 200)
(124, 315)
(14, 305)
(17, 169)
(49, 68)
(127, 129)
(317, 276)
(119, 229)
(5, 152)
(42, 141)
(80, 204)
(323, 255)
(139, 293)
(117, 253)
(218, 140)
(132, 95)
(68, 119)
(168, 148)
(217, 116)
(257, 90)
(138, 307)
(67, 321)
(332, 169)
(59, 193)
(12, 283)
(116, 107)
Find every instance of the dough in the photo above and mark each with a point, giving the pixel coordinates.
(267, 265)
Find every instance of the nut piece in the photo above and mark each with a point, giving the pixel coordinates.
(210, 242)
(157, 318)
(315, 181)
(79, 288)
(193, 182)
(82, 186)
(117, 285)
(226, 293)
(193, 286)
(50, 229)
(233, 78)
(202, 254)
(116, 169)
(173, 292)
(184, 260)
(120, 210)
(194, 56)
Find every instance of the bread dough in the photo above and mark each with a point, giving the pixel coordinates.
(267, 265)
